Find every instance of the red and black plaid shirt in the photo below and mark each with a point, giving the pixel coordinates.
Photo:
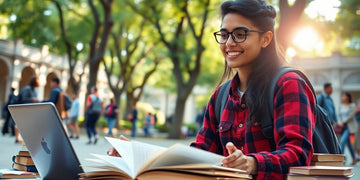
(294, 122)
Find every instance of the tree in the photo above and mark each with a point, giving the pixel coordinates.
(347, 25)
(98, 42)
(130, 53)
(70, 48)
(184, 43)
(289, 17)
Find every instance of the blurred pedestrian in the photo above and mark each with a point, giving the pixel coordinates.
(57, 96)
(326, 102)
(12, 98)
(357, 134)
(94, 108)
(73, 117)
(27, 95)
(148, 124)
(134, 120)
(347, 121)
(111, 112)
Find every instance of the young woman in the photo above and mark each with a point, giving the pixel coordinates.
(246, 39)
(347, 120)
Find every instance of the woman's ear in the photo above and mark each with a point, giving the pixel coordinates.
(266, 39)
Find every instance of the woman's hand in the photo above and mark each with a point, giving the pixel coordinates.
(112, 151)
(238, 160)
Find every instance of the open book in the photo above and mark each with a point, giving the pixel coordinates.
(145, 161)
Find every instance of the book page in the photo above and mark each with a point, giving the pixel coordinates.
(180, 154)
(117, 162)
(134, 153)
(142, 152)
(125, 149)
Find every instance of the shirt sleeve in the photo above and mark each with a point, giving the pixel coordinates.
(207, 138)
(294, 122)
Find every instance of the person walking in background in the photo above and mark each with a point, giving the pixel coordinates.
(357, 134)
(27, 95)
(326, 102)
(148, 124)
(111, 112)
(12, 98)
(347, 121)
(93, 109)
(134, 120)
(73, 117)
(57, 97)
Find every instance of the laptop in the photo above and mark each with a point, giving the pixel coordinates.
(43, 133)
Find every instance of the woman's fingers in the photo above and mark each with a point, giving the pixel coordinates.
(112, 151)
(123, 138)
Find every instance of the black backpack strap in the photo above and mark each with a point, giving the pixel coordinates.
(221, 100)
(267, 126)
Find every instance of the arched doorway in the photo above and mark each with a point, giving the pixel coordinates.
(47, 87)
(4, 74)
(26, 74)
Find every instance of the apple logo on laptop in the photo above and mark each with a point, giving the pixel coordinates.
(45, 146)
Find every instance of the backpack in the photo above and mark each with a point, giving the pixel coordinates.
(68, 102)
(95, 106)
(324, 138)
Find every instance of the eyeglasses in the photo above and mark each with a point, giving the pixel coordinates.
(238, 35)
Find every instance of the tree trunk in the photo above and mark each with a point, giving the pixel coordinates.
(175, 129)
(93, 72)
(289, 19)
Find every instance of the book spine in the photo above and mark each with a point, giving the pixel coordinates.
(22, 167)
(24, 160)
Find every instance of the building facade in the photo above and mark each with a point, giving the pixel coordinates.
(19, 62)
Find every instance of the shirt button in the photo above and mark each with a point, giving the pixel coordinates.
(221, 127)
(240, 125)
(243, 106)
(242, 148)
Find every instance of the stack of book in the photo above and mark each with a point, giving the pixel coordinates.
(319, 173)
(320, 159)
(23, 162)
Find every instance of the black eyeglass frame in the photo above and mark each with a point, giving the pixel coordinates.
(245, 29)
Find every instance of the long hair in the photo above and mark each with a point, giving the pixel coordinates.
(268, 61)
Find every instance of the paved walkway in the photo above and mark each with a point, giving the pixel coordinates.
(8, 148)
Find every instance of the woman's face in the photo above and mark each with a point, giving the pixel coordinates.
(239, 55)
(344, 98)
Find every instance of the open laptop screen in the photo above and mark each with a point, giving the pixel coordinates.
(43, 133)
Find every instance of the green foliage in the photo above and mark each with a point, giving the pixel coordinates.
(347, 25)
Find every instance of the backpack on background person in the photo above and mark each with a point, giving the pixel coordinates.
(95, 106)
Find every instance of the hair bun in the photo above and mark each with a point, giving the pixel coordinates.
(270, 11)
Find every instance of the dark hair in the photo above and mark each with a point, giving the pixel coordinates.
(94, 88)
(268, 61)
(348, 95)
(326, 85)
(56, 80)
(33, 81)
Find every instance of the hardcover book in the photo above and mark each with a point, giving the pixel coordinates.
(144, 161)
(14, 174)
(328, 157)
(28, 168)
(321, 170)
(24, 160)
